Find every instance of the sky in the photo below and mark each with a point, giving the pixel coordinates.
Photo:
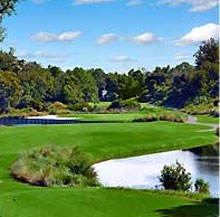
(115, 35)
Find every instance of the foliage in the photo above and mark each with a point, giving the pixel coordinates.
(50, 166)
(130, 104)
(199, 109)
(175, 177)
(7, 7)
(208, 52)
(36, 87)
(57, 108)
(10, 90)
(80, 106)
(170, 116)
(201, 186)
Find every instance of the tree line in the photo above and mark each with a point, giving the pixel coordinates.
(26, 84)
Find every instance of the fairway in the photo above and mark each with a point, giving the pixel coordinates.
(99, 203)
(101, 141)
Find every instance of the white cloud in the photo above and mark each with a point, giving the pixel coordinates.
(182, 56)
(51, 37)
(55, 57)
(122, 58)
(195, 5)
(80, 2)
(135, 2)
(107, 38)
(146, 38)
(198, 34)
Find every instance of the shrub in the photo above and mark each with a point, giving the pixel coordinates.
(175, 177)
(49, 166)
(149, 118)
(172, 117)
(80, 106)
(130, 104)
(201, 186)
(199, 109)
(163, 116)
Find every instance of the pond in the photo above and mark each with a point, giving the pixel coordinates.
(142, 172)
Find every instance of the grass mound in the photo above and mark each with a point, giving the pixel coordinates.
(55, 166)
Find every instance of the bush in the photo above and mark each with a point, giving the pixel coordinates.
(51, 166)
(173, 117)
(201, 186)
(56, 108)
(200, 109)
(130, 104)
(175, 177)
(163, 116)
(80, 106)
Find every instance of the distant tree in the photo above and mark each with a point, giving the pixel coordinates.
(175, 177)
(99, 76)
(8, 62)
(10, 90)
(7, 7)
(86, 82)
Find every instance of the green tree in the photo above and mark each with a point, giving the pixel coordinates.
(86, 83)
(175, 177)
(10, 90)
(7, 7)
(208, 52)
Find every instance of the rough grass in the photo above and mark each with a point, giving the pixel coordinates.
(55, 166)
(146, 111)
(100, 141)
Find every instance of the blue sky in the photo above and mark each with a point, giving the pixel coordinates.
(116, 35)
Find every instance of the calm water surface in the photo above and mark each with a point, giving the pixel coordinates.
(143, 171)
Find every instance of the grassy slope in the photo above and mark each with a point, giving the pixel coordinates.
(207, 119)
(101, 141)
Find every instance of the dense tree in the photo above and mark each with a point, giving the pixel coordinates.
(10, 90)
(36, 87)
(86, 83)
(208, 52)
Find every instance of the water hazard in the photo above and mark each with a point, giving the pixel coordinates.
(143, 171)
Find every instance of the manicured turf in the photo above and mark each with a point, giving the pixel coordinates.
(101, 141)
(107, 140)
(99, 203)
(207, 119)
(124, 117)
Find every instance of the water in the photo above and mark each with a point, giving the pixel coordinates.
(142, 172)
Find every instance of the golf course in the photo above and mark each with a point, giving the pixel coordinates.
(101, 142)
(109, 108)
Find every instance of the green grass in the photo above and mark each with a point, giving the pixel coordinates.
(207, 119)
(122, 117)
(99, 203)
(101, 141)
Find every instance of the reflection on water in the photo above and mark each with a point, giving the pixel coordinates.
(143, 171)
